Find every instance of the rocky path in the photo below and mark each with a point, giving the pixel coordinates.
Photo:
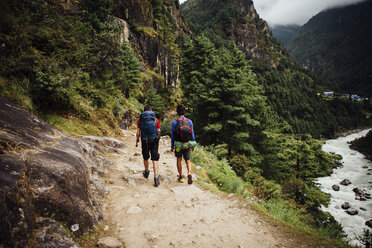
(177, 214)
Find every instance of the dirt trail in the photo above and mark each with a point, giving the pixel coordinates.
(177, 214)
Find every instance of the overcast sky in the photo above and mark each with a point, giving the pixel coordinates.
(294, 11)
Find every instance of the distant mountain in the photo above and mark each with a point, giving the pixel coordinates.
(285, 33)
(337, 44)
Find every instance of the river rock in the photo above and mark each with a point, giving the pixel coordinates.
(352, 211)
(346, 205)
(335, 187)
(358, 191)
(345, 182)
(369, 223)
(109, 242)
(43, 172)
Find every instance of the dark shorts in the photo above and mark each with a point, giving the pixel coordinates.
(150, 146)
(186, 154)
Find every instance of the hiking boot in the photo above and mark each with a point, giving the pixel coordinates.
(156, 180)
(146, 173)
(189, 178)
(180, 179)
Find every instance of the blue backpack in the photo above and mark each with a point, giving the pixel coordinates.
(148, 125)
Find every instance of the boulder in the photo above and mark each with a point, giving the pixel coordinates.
(346, 205)
(45, 173)
(352, 211)
(345, 182)
(335, 187)
(369, 223)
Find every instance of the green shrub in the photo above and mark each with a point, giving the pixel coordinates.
(240, 164)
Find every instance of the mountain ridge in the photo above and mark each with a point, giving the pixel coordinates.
(336, 44)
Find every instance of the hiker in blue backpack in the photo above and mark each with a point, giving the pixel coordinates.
(148, 128)
(182, 134)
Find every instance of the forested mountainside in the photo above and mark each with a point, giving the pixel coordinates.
(336, 43)
(290, 90)
(84, 66)
(259, 112)
(285, 33)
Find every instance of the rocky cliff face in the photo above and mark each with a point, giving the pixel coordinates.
(47, 178)
(152, 28)
(249, 32)
(253, 36)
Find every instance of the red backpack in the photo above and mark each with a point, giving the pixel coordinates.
(182, 130)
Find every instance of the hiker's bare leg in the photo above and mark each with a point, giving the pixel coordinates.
(146, 164)
(188, 164)
(179, 166)
(156, 167)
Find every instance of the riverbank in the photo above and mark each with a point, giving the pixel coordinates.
(363, 145)
(349, 132)
(357, 169)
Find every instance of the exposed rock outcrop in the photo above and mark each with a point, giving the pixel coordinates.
(147, 38)
(45, 173)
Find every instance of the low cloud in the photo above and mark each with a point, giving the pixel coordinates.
(284, 12)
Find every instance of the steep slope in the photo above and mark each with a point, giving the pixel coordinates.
(290, 90)
(152, 27)
(237, 21)
(285, 33)
(336, 43)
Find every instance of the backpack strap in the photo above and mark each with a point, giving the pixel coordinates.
(184, 118)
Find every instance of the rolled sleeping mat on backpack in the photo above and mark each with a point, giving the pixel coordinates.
(184, 145)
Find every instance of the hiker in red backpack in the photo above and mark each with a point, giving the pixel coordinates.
(182, 133)
(148, 128)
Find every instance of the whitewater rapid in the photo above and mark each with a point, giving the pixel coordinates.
(352, 169)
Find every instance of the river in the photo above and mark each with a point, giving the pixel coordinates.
(352, 169)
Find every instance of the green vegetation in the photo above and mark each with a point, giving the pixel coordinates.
(256, 121)
(66, 62)
(364, 145)
(262, 156)
(260, 120)
(290, 91)
(336, 44)
(216, 174)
